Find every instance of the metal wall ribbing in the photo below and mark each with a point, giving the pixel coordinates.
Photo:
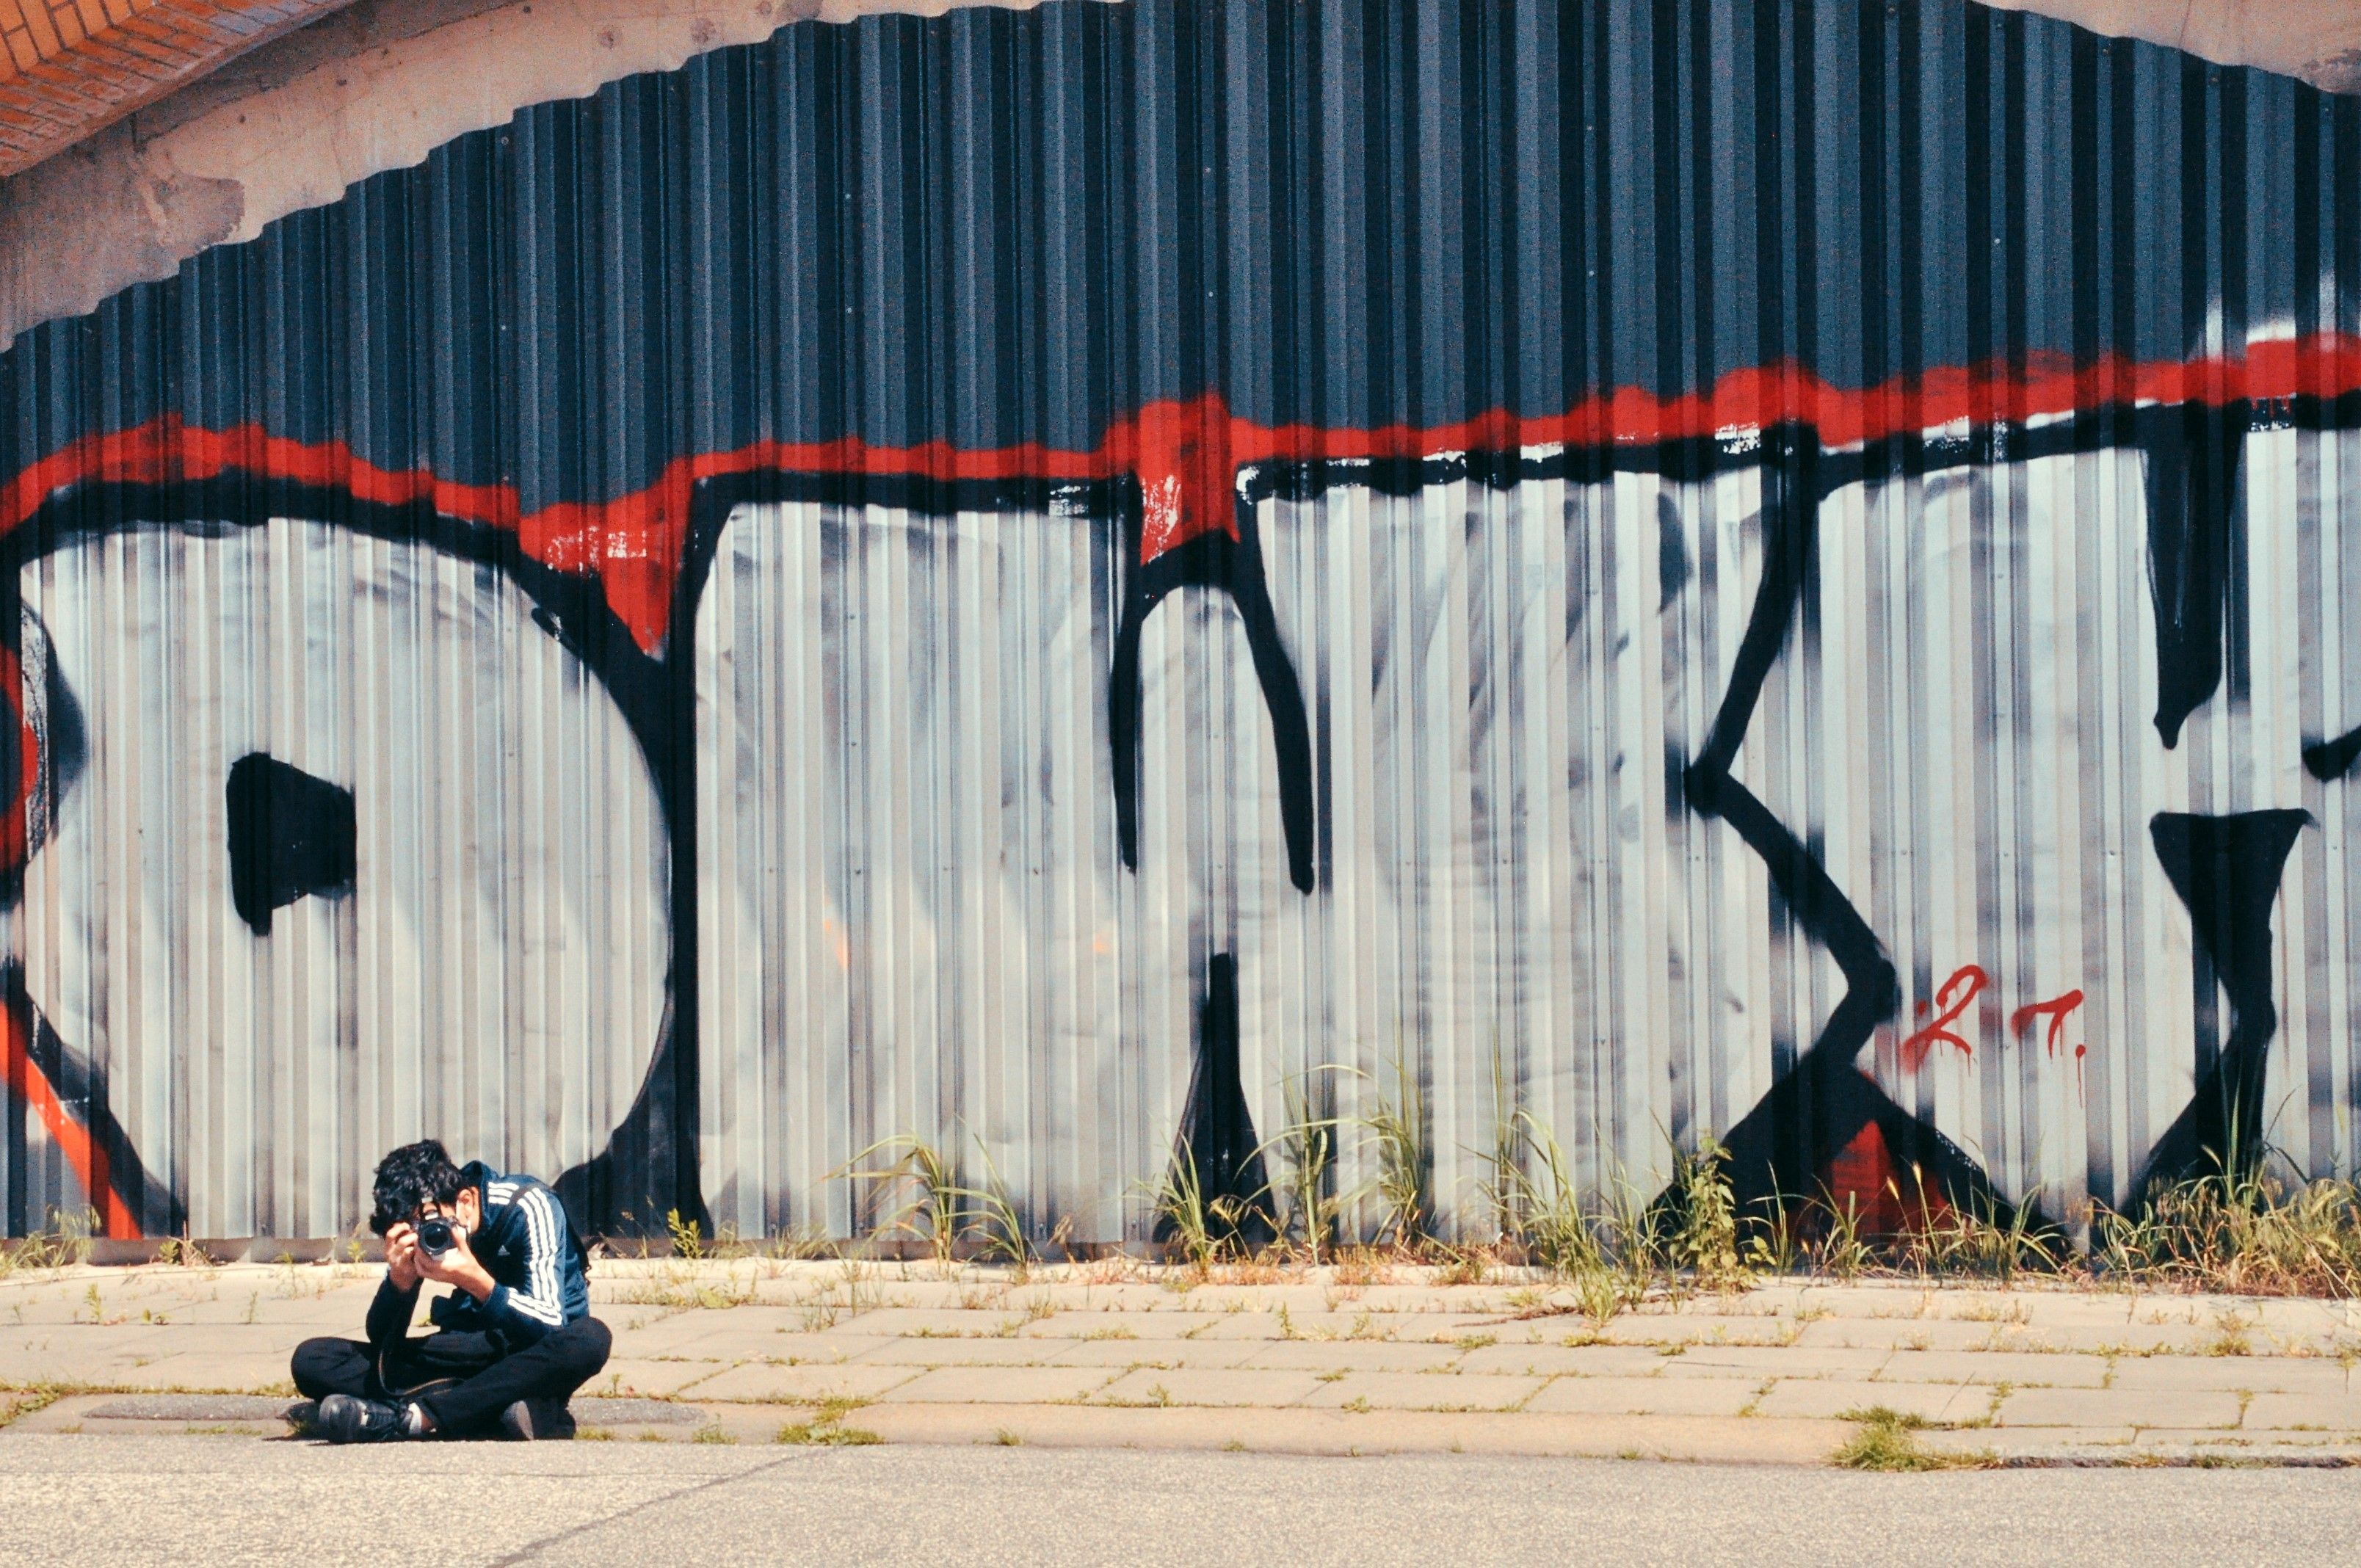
(697, 525)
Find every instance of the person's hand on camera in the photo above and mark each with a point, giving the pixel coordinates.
(402, 1254)
(456, 1268)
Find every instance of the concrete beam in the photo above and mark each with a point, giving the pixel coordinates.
(2317, 40)
(69, 68)
(376, 86)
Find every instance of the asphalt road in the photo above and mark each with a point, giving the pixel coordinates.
(189, 1500)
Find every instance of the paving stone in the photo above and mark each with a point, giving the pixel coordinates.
(336, 1315)
(1186, 1385)
(1071, 1298)
(2111, 1406)
(2249, 1448)
(1424, 1391)
(2281, 1316)
(1759, 1362)
(653, 1377)
(1872, 1301)
(210, 1306)
(2238, 1442)
(2035, 1309)
(2259, 1374)
(2337, 1412)
(1304, 1325)
(1139, 1325)
(1374, 1355)
(1828, 1398)
(1657, 1328)
(1219, 1299)
(2034, 1443)
(1587, 1360)
(694, 1331)
(229, 1373)
(1995, 1367)
(26, 1368)
(1150, 1352)
(2185, 1309)
(899, 1320)
(1415, 1328)
(137, 1339)
(1515, 1331)
(1315, 1432)
(1643, 1396)
(962, 1352)
(2081, 1308)
(1410, 1300)
(775, 1385)
(229, 1339)
(1893, 1334)
(796, 1347)
(1001, 1385)
(2138, 1338)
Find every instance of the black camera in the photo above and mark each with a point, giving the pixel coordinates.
(436, 1236)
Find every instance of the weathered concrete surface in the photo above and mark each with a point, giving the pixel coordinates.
(2319, 40)
(377, 85)
(1367, 1361)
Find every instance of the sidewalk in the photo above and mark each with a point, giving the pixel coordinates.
(1120, 1355)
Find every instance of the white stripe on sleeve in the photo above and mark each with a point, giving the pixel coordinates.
(539, 1299)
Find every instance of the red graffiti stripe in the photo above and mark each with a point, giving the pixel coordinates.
(84, 1153)
(1185, 452)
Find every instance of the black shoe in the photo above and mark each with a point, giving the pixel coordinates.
(537, 1420)
(343, 1419)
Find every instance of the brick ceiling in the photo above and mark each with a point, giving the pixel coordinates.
(68, 67)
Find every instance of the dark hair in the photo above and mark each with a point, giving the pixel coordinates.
(409, 1178)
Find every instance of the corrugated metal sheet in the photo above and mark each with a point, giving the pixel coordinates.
(1654, 537)
(494, 967)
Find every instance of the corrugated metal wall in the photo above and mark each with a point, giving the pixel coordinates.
(1655, 538)
(493, 966)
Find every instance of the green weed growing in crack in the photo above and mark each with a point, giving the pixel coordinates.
(63, 1243)
(1535, 1186)
(925, 1199)
(1841, 1251)
(826, 1429)
(1305, 1154)
(1204, 1227)
(1887, 1439)
(2230, 1336)
(1405, 1159)
(1705, 1240)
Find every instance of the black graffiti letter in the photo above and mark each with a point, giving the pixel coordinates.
(2226, 870)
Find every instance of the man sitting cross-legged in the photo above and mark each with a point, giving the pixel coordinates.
(515, 1339)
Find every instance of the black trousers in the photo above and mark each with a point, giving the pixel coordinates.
(463, 1380)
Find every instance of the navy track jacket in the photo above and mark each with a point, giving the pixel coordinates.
(526, 1242)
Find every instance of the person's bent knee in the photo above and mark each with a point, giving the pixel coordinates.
(588, 1343)
(314, 1365)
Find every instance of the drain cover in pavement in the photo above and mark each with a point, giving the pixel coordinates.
(592, 1412)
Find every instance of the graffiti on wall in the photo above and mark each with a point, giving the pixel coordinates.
(1048, 575)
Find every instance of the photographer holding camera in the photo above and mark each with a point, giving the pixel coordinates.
(516, 1338)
